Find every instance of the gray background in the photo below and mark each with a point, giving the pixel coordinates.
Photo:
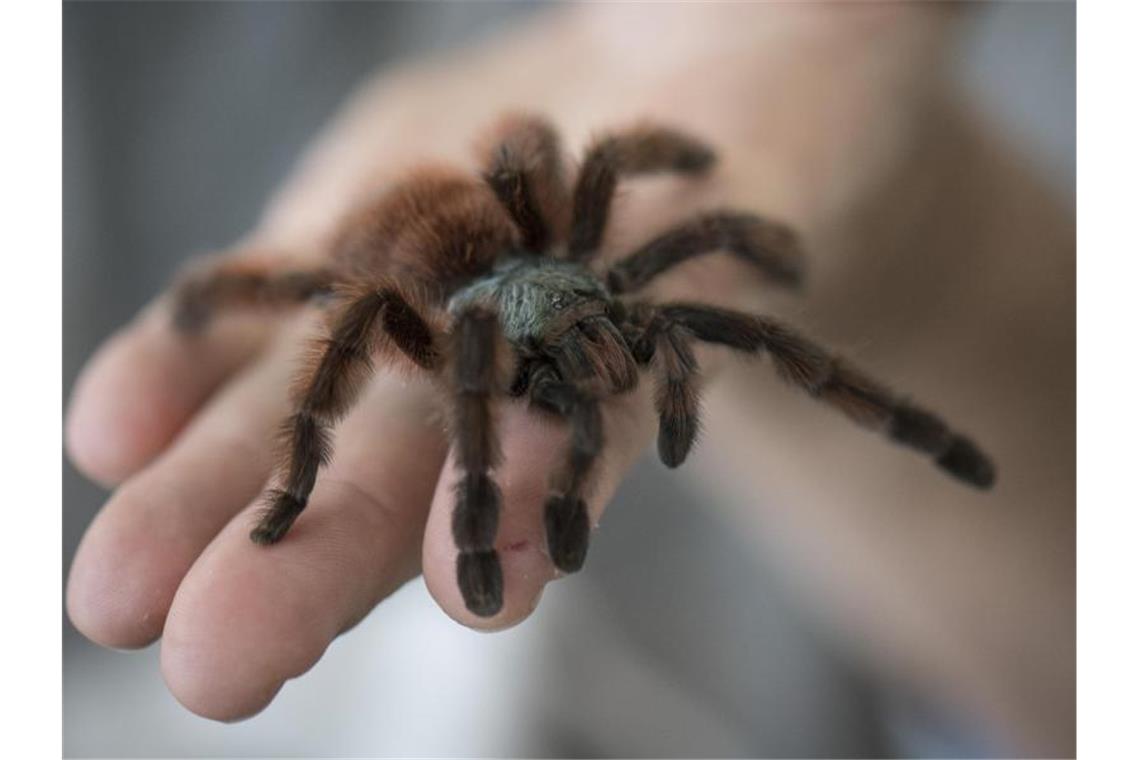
(179, 120)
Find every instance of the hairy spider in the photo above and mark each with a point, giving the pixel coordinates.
(486, 284)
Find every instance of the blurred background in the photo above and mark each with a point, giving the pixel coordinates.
(179, 122)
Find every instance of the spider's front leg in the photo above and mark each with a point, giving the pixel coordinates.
(327, 389)
(566, 516)
(477, 351)
(810, 367)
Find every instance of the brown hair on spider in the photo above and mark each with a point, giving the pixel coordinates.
(489, 283)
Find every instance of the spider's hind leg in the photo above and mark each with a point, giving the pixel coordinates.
(566, 517)
(769, 247)
(645, 149)
(523, 167)
(235, 284)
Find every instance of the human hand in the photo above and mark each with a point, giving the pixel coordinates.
(184, 428)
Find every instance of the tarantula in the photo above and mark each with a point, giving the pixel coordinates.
(486, 283)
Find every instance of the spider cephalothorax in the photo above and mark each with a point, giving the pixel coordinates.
(488, 284)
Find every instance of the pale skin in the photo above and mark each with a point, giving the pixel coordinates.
(810, 110)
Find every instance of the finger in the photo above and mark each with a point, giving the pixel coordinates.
(247, 617)
(144, 384)
(141, 544)
(533, 446)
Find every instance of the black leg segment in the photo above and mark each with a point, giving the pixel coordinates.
(566, 516)
(475, 521)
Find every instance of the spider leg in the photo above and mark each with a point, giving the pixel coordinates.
(768, 246)
(327, 389)
(668, 345)
(566, 517)
(476, 348)
(644, 149)
(828, 378)
(524, 169)
(235, 284)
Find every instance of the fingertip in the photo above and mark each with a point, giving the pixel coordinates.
(525, 566)
(118, 590)
(141, 388)
(247, 618)
(533, 445)
(106, 626)
(194, 683)
(228, 649)
(108, 435)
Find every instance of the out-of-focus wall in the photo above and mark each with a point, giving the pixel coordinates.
(180, 119)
